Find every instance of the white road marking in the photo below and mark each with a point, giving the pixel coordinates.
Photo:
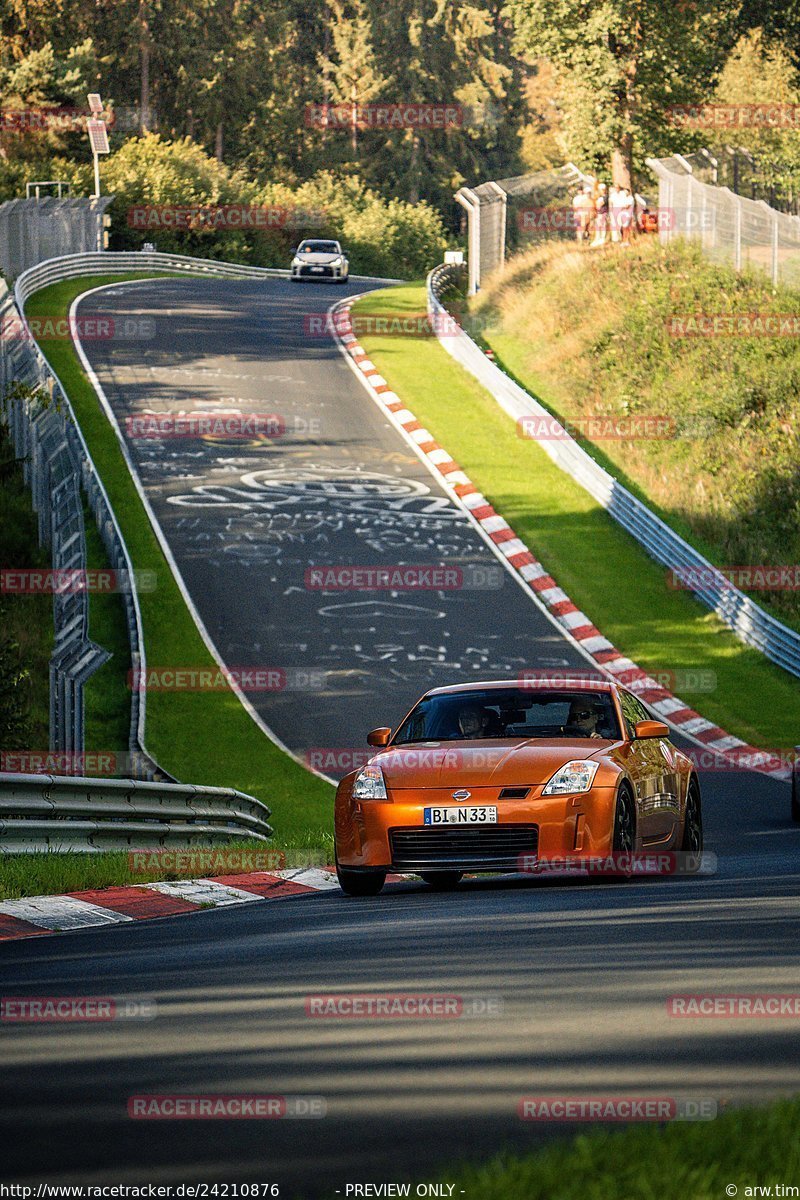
(61, 912)
(204, 891)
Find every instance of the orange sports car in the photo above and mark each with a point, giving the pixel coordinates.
(501, 777)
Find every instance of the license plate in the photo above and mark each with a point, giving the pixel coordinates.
(461, 816)
(318, 269)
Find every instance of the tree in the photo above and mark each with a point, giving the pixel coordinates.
(760, 71)
(622, 64)
(352, 76)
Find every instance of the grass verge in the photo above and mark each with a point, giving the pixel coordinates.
(603, 335)
(51, 873)
(707, 1160)
(601, 567)
(202, 737)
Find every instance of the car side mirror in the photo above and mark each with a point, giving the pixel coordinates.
(379, 737)
(650, 729)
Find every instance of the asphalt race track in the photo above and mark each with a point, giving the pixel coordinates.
(578, 974)
(246, 521)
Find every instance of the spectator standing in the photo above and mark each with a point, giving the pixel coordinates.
(615, 202)
(601, 215)
(582, 209)
(627, 216)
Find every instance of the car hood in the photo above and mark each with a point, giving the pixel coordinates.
(493, 762)
(319, 259)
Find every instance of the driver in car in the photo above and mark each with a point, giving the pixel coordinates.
(473, 721)
(585, 716)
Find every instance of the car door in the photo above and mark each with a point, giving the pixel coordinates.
(656, 778)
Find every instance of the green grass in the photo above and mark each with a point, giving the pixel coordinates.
(606, 573)
(588, 334)
(745, 1148)
(50, 873)
(202, 737)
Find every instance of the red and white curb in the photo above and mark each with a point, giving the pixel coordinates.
(576, 626)
(36, 915)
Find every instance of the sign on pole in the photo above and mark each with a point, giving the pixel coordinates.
(95, 103)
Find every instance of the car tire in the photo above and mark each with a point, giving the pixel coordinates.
(360, 883)
(624, 832)
(692, 840)
(442, 881)
(624, 839)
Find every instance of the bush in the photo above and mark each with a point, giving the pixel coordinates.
(391, 238)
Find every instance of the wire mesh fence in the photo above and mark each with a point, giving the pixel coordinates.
(732, 229)
(501, 215)
(37, 229)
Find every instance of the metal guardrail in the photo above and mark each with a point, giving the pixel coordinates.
(57, 462)
(751, 624)
(113, 262)
(50, 812)
(43, 437)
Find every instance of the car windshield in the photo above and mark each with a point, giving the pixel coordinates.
(319, 248)
(510, 713)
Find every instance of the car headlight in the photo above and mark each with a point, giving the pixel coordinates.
(296, 262)
(369, 783)
(576, 776)
(337, 262)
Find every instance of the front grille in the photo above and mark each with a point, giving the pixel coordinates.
(326, 272)
(465, 847)
(513, 793)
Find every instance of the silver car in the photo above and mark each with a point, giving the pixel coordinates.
(318, 259)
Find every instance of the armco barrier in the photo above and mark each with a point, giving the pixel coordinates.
(49, 812)
(57, 460)
(751, 624)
